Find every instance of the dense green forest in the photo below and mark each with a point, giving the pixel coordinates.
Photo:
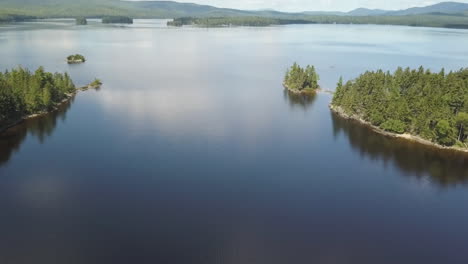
(433, 106)
(81, 21)
(432, 20)
(23, 93)
(299, 79)
(117, 20)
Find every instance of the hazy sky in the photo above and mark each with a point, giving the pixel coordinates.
(315, 5)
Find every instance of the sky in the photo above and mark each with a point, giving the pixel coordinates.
(316, 5)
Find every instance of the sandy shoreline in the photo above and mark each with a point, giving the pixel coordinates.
(337, 110)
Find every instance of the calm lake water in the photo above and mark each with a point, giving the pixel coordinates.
(191, 152)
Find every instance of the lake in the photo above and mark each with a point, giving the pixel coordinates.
(192, 152)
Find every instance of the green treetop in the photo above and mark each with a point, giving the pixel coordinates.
(298, 79)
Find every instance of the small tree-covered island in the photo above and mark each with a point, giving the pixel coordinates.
(300, 80)
(24, 94)
(77, 58)
(427, 107)
(81, 21)
(117, 20)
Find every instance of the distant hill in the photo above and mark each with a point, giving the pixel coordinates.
(440, 8)
(366, 12)
(185, 9)
(98, 8)
(445, 7)
(170, 9)
(324, 13)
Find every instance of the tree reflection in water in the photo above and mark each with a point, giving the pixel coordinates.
(40, 127)
(303, 100)
(445, 167)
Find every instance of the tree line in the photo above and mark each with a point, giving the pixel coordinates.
(429, 20)
(23, 93)
(117, 20)
(8, 18)
(432, 105)
(249, 21)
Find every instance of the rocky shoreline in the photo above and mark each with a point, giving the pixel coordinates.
(75, 61)
(55, 108)
(295, 91)
(339, 111)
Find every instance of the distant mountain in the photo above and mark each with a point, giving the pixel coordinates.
(366, 12)
(445, 7)
(97, 8)
(439, 9)
(186, 9)
(324, 13)
(170, 9)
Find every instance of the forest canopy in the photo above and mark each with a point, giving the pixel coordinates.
(299, 79)
(431, 105)
(23, 93)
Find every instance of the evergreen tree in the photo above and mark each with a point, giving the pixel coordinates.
(431, 105)
(24, 93)
(301, 80)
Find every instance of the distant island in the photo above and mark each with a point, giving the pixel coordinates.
(428, 107)
(77, 58)
(81, 21)
(24, 94)
(117, 20)
(96, 84)
(300, 80)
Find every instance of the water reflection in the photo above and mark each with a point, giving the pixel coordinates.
(444, 167)
(41, 128)
(303, 101)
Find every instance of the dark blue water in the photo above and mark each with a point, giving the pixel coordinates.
(192, 153)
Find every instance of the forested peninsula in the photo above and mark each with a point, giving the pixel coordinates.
(417, 104)
(24, 94)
